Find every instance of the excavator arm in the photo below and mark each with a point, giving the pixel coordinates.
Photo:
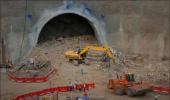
(83, 51)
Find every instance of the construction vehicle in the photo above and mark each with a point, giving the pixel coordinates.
(81, 54)
(128, 86)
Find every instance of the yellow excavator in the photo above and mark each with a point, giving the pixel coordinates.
(81, 54)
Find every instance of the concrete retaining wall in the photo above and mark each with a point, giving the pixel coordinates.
(131, 26)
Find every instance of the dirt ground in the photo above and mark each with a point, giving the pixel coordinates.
(151, 71)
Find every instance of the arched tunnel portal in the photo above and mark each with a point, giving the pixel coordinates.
(63, 25)
(64, 22)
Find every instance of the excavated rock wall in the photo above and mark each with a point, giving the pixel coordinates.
(130, 26)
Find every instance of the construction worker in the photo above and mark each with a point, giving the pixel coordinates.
(32, 61)
(75, 83)
(71, 86)
(82, 71)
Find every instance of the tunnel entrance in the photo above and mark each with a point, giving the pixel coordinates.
(62, 33)
(65, 25)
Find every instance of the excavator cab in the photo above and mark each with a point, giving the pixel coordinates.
(130, 77)
(83, 55)
(79, 50)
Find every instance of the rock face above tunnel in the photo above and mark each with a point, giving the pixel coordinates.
(131, 26)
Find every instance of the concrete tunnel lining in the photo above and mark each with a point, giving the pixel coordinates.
(97, 25)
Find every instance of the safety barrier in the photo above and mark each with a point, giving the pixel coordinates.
(45, 78)
(160, 89)
(82, 87)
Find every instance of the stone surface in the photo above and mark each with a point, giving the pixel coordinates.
(131, 26)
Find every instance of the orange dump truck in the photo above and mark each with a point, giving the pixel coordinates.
(128, 86)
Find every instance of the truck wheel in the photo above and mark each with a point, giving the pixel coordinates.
(130, 92)
(119, 91)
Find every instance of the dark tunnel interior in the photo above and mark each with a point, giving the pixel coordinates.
(65, 25)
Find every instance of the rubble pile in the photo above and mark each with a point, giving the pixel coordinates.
(54, 50)
(145, 70)
(148, 70)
